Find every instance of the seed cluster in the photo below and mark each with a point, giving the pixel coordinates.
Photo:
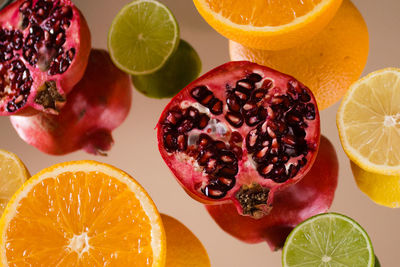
(45, 25)
(280, 122)
(48, 22)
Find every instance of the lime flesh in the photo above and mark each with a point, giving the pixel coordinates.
(142, 37)
(328, 240)
(181, 68)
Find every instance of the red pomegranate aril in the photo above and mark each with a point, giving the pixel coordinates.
(234, 118)
(215, 106)
(254, 135)
(245, 85)
(52, 40)
(236, 137)
(233, 103)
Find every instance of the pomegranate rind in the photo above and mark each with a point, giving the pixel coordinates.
(99, 103)
(182, 169)
(78, 36)
(312, 195)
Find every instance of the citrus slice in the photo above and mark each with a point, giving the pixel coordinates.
(328, 240)
(81, 213)
(328, 63)
(142, 36)
(382, 189)
(270, 25)
(13, 174)
(369, 122)
(183, 247)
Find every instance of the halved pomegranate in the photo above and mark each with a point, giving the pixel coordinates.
(240, 133)
(44, 49)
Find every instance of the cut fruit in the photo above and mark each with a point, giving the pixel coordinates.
(13, 174)
(328, 239)
(142, 36)
(328, 63)
(81, 213)
(183, 247)
(382, 189)
(369, 122)
(181, 68)
(270, 25)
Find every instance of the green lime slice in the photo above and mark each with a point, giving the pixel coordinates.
(142, 37)
(181, 68)
(328, 240)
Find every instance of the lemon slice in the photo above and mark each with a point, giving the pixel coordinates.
(369, 122)
(13, 174)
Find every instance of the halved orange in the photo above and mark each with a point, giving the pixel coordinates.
(81, 213)
(270, 25)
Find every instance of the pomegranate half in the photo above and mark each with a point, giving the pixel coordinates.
(44, 49)
(240, 133)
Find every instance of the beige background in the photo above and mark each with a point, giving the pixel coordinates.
(135, 149)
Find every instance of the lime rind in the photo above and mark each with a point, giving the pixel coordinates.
(307, 248)
(142, 37)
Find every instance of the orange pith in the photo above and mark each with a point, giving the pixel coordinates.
(267, 13)
(78, 218)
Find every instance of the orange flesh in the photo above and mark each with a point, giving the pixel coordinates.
(97, 220)
(261, 13)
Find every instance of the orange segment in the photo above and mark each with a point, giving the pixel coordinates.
(261, 13)
(82, 214)
(269, 25)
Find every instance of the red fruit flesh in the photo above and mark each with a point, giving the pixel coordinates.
(240, 133)
(98, 104)
(312, 195)
(44, 49)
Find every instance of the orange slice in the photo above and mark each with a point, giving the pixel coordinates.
(271, 25)
(81, 213)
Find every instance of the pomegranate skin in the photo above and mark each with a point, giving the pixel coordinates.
(57, 68)
(98, 104)
(248, 183)
(312, 195)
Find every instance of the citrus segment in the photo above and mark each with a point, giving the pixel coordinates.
(330, 240)
(142, 37)
(382, 189)
(81, 214)
(271, 25)
(183, 247)
(369, 122)
(328, 63)
(13, 174)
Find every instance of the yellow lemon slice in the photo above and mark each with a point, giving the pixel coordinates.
(369, 122)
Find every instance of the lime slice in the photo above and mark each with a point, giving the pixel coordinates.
(142, 37)
(13, 174)
(181, 68)
(328, 240)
